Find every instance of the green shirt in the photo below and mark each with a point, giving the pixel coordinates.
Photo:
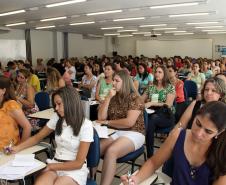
(104, 88)
(162, 93)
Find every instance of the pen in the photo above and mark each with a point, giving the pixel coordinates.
(129, 175)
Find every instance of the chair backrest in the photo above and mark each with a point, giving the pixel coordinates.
(93, 156)
(42, 100)
(191, 89)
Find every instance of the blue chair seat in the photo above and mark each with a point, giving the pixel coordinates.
(90, 182)
(131, 156)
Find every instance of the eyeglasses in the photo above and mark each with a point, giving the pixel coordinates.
(193, 172)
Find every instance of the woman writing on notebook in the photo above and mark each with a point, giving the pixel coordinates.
(73, 135)
(198, 154)
(123, 110)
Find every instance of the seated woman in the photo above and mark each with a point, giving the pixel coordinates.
(214, 89)
(88, 83)
(33, 79)
(196, 76)
(161, 93)
(12, 117)
(143, 78)
(199, 153)
(124, 111)
(54, 80)
(104, 84)
(73, 135)
(25, 93)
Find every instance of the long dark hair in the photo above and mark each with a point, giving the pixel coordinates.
(165, 80)
(145, 74)
(73, 109)
(216, 156)
(9, 93)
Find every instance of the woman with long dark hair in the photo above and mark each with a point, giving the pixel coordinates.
(73, 135)
(160, 96)
(198, 154)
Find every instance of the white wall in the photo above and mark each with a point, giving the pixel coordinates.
(129, 45)
(192, 47)
(79, 47)
(12, 46)
(42, 45)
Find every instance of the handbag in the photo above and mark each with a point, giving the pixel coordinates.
(163, 111)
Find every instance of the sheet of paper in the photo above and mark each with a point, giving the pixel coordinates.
(9, 172)
(150, 111)
(102, 131)
(23, 160)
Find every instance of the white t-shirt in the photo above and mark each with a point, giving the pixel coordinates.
(67, 143)
(86, 81)
(73, 70)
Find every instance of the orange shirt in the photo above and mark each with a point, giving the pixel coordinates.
(9, 129)
(179, 91)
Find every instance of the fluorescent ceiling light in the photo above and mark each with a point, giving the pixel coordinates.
(96, 36)
(125, 35)
(152, 25)
(44, 27)
(112, 28)
(213, 30)
(183, 33)
(129, 19)
(16, 24)
(189, 14)
(175, 31)
(13, 12)
(198, 23)
(174, 5)
(104, 12)
(126, 30)
(64, 3)
(111, 34)
(164, 28)
(81, 23)
(217, 32)
(148, 35)
(207, 27)
(54, 18)
(141, 33)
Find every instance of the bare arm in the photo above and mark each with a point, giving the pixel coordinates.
(97, 91)
(103, 108)
(127, 122)
(220, 181)
(22, 121)
(161, 156)
(187, 115)
(77, 163)
(61, 83)
(89, 86)
(29, 102)
(33, 140)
